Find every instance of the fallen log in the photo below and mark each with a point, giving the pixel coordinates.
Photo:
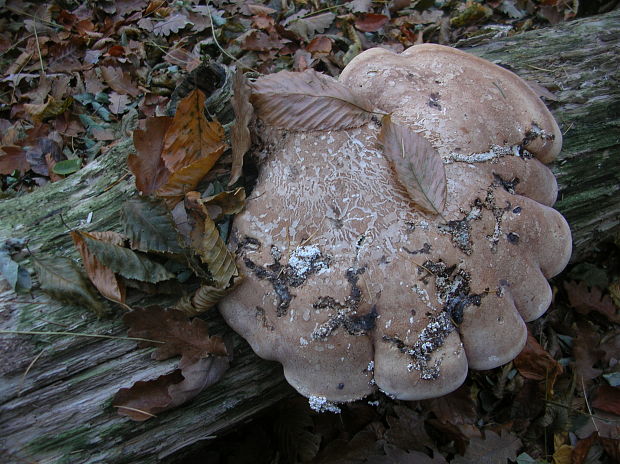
(56, 390)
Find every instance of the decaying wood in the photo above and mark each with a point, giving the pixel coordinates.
(56, 391)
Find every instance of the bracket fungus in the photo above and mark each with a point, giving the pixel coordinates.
(351, 281)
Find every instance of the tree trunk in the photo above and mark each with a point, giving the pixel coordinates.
(56, 391)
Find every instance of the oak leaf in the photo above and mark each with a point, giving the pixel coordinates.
(455, 408)
(491, 449)
(307, 27)
(119, 81)
(204, 359)
(307, 101)
(417, 164)
(586, 299)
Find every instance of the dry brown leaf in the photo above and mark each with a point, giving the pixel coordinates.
(119, 81)
(455, 408)
(184, 180)
(207, 243)
(147, 166)
(307, 26)
(240, 133)
(118, 103)
(307, 101)
(417, 164)
(101, 276)
(225, 203)
(492, 449)
(585, 299)
(179, 335)
(51, 162)
(536, 364)
(258, 41)
(407, 430)
(146, 398)
(607, 398)
(371, 22)
(320, 45)
(191, 137)
(205, 298)
(50, 109)
(587, 352)
(204, 359)
(13, 158)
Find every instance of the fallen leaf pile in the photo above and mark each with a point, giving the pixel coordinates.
(170, 237)
(77, 77)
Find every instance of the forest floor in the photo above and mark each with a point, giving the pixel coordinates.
(75, 75)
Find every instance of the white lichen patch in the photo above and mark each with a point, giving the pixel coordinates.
(495, 152)
(306, 259)
(322, 404)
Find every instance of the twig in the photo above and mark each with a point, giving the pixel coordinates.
(539, 69)
(21, 382)
(134, 409)
(77, 334)
(220, 47)
(585, 397)
(36, 38)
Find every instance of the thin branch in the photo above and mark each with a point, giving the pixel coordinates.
(77, 334)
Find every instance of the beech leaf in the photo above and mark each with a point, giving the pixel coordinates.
(147, 166)
(225, 203)
(207, 243)
(63, 280)
(307, 101)
(417, 164)
(123, 261)
(150, 227)
(184, 180)
(204, 299)
(191, 137)
(66, 167)
(101, 276)
(240, 133)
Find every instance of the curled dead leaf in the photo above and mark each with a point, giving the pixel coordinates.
(240, 133)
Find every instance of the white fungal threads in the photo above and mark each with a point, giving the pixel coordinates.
(322, 404)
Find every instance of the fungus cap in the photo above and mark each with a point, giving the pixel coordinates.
(351, 286)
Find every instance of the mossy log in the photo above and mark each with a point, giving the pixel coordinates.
(56, 391)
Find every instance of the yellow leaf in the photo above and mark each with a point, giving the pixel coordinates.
(563, 455)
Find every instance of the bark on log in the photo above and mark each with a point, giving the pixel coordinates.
(56, 391)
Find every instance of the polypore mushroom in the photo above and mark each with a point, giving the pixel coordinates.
(352, 286)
